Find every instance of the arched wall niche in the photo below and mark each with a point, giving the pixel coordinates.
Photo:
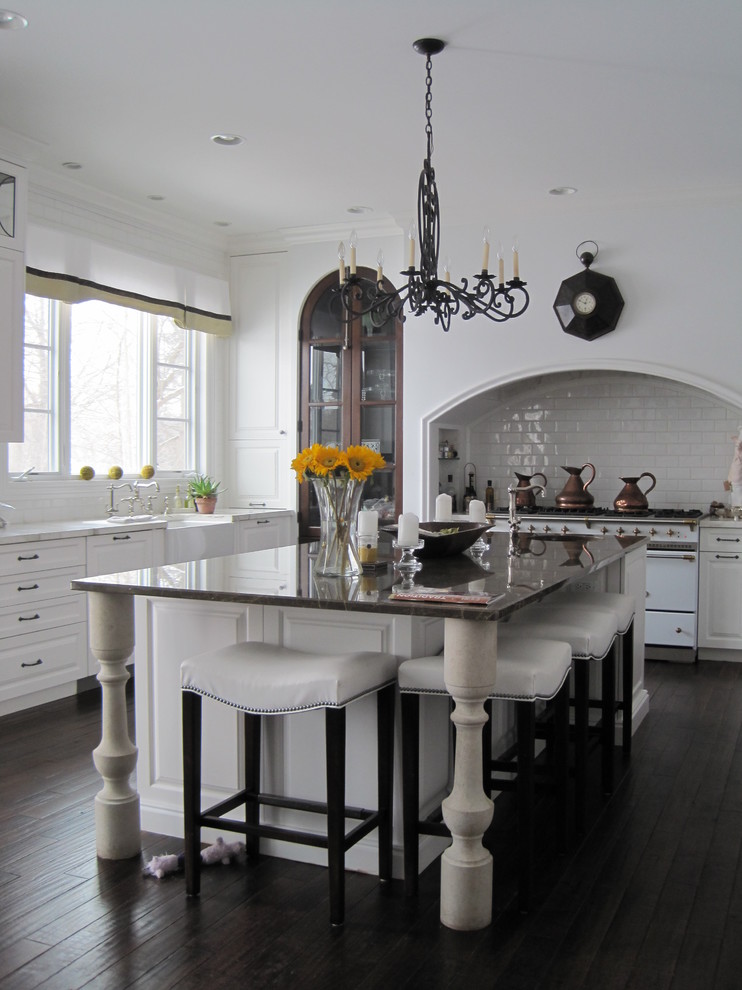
(624, 419)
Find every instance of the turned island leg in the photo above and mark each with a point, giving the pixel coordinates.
(466, 866)
(117, 824)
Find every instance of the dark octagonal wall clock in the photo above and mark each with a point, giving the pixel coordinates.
(588, 304)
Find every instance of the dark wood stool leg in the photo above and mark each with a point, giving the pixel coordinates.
(526, 729)
(191, 705)
(487, 749)
(582, 723)
(560, 706)
(627, 687)
(410, 707)
(335, 760)
(608, 721)
(385, 700)
(252, 780)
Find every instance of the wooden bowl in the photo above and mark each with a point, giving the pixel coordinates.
(445, 544)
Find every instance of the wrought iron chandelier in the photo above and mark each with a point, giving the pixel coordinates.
(423, 292)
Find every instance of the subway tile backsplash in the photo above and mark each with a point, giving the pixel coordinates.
(622, 423)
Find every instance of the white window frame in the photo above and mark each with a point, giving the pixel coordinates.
(60, 341)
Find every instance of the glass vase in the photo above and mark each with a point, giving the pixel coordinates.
(339, 500)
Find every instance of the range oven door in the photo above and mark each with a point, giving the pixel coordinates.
(672, 598)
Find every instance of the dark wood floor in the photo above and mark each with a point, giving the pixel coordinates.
(651, 899)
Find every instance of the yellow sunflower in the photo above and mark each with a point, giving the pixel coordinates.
(362, 462)
(303, 462)
(326, 459)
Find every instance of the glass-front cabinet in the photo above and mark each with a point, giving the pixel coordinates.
(351, 393)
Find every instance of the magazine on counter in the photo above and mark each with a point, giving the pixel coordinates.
(445, 595)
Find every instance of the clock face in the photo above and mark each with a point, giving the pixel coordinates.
(584, 303)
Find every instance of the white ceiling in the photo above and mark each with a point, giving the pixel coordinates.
(624, 99)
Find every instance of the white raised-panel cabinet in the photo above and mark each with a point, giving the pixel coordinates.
(263, 532)
(262, 414)
(720, 589)
(12, 289)
(126, 551)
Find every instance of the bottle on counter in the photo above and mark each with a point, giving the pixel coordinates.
(178, 500)
(489, 498)
(450, 489)
(469, 492)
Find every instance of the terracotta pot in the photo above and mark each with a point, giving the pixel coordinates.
(205, 505)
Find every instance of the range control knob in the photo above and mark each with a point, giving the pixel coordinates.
(603, 530)
(531, 528)
(564, 530)
(620, 531)
(637, 531)
(547, 529)
(671, 532)
(652, 531)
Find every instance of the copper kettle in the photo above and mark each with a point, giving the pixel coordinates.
(631, 498)
(575, 494)
(526, 499)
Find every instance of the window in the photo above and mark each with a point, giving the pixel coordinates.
(105, 385)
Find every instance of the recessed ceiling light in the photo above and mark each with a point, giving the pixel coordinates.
(562, 191)
(222, 223)
(156, 199)
(359, 209)
(71, 165)
(10, 21)
(227, 140)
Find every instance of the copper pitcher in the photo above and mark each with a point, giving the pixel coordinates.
(575, 494)
(631, 498)
(526, 499)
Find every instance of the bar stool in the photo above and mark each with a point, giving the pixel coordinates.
(623, 607)
(592, 635)
(259, 680)
(528, 671)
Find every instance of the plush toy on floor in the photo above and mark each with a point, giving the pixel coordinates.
(221, 851)
(158, 866)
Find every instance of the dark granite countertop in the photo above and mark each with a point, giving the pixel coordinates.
(544, 565)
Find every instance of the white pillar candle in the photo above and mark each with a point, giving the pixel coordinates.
(408, 530)
(477, 512)
(368, 522)
(443, 508)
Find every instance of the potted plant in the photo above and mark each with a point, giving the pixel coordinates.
(204, 491)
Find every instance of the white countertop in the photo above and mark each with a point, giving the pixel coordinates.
(65, 529)
(715, 521)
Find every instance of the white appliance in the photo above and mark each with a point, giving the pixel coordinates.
(672, 565)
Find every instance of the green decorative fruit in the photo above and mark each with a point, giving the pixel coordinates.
(148, 471)
(87, 473)
(115, 472)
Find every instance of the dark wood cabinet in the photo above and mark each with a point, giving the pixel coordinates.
(351, 392)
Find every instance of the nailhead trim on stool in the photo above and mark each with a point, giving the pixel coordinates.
(260, 680)
(592, 635)
(623, 607)
(527, 671)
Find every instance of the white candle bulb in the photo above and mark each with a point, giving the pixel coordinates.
(353, 246)
(477, 511)
(341, 262)
(500, 267)
(408, 530)
(379, 265)
(443, 508)
(368, 522)
(516, 265)
(412, 235)
(485, 249)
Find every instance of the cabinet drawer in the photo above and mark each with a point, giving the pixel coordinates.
(27, 558)
(37, 587)
(727, 539)
(670, 629)
(119, 552)
(42, 615)
(260, 533)
(42, 660)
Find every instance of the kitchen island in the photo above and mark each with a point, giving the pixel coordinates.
(273, 596)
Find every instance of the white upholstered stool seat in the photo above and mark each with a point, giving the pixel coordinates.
(528, 671)
(622, 605)
(261, 680)
(271, 680)
(592, 634)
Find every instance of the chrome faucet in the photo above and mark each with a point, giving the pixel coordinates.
(113, 509)
(513, 518)
(138, 497)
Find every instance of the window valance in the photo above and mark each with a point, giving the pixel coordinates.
(73, 269)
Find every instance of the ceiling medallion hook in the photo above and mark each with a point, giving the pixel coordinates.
(490, 295)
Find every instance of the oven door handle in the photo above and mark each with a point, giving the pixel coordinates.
(659, 555)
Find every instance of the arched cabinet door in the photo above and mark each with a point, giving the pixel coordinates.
(351, 392)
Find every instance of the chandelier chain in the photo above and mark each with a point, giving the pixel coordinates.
(429, 104)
